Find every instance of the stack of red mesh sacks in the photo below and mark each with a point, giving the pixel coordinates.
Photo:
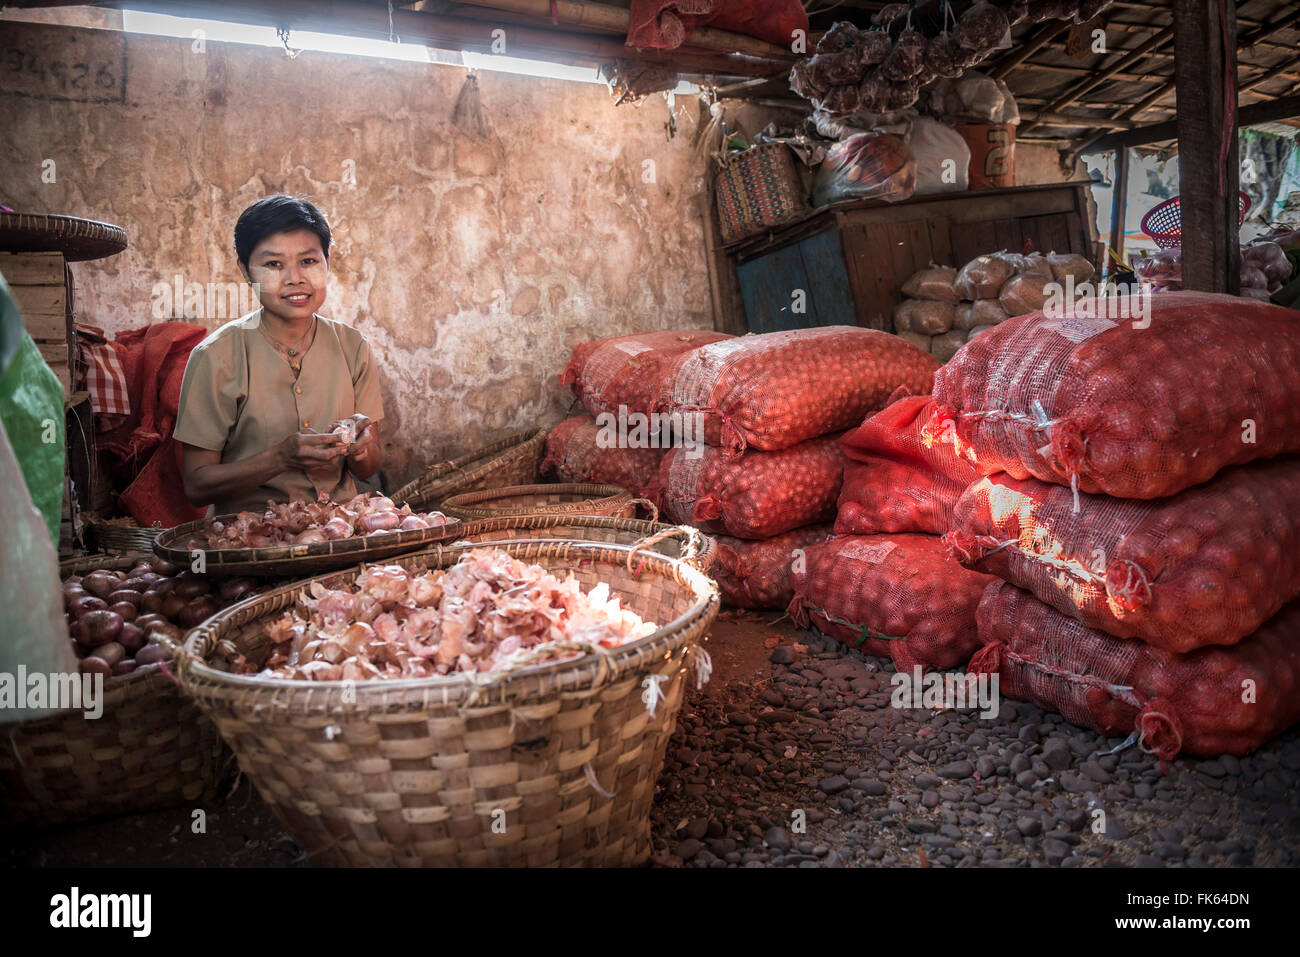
(886, 584)
(1142, 513)
(618, 380)
(765, 467)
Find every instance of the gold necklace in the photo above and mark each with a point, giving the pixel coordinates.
(292, 352)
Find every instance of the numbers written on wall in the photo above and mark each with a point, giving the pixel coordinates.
(87, 71)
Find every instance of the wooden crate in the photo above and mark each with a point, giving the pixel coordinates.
(42, 285)
(867, 249)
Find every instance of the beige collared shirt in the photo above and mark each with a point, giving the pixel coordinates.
(239, 397)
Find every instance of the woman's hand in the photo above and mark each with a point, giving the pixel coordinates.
(309, 450)
(365, 455)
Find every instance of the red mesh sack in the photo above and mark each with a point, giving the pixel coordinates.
(626, 370)
(574, 454)
(1125, 411)
(897, 596)
(755, 495)
(757, 574)
(775, 390)
(899, 480)
(1205, 567)
(884, 495)
(1212, 701)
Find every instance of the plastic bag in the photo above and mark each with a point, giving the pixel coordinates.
(981, 312)
(924, 316)
(942, 158)
(866, 166)
(35, 631)
(935, 282)
(983, 276)
(1025, 292)
(32, 413)
(1070, 265)
(1270, 260)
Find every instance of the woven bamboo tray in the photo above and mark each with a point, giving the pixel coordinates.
(511, 461)
(558, 499)
(675, 541)
(152, 748)
(78, 239)
(298, 561)
(552, 765)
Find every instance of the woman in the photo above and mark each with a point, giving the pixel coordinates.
(262, 395)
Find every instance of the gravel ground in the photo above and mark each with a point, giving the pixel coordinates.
(805, 764)
(806, 726)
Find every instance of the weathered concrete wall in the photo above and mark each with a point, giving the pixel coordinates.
(472, 265)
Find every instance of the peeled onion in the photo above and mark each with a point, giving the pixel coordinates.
(126, 609)
(95, 666)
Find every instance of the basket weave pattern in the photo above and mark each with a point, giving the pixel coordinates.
(512, 461)
(553, 765)
(632, 532)
(560, 499)
(152, 748)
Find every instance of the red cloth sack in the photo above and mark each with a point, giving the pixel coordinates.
(1133, 412)
(896, 596)
(775, 390)
(626, 370)
(755, 495)
(897, 480)
(1209, 702)
(1205, 567)
(574, 454)
(153, 361)
(757, 574)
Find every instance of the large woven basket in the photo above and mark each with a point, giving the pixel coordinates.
(757, 190)
(552, 765)
(567, 498)
(512, 461)
(152, 748)
(675, 541)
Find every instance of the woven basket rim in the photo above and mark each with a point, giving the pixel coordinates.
(208, 685)
(703, 558)
(586, 498)
(472, 464)
(348, 551)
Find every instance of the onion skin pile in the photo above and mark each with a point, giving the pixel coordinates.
(118, 620)
(479, 615)
(309, 523)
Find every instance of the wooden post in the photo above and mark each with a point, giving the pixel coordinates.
(1119, 203)
(1205, 54)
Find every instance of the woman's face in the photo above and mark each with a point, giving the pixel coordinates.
(291, 270)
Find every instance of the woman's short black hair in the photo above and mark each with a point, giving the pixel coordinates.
(278, 214)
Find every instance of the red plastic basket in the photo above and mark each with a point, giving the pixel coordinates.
(1164, 223)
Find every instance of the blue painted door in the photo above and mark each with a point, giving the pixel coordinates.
(798, 287)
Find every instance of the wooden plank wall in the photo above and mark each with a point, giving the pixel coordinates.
(883, 246)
